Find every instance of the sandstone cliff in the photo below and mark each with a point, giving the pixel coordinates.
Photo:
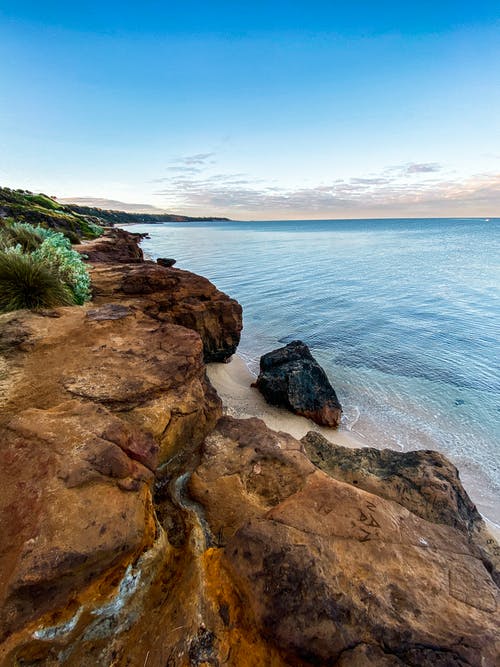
(140, 528)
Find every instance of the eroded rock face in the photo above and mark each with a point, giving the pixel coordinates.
(424, 482)
(325, 566)
(151, 373)
(76, 503)
(291, 378)
(116, 245)
(175, 296)
(92, 402)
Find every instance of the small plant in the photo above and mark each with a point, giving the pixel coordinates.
(27, 281)
(56, 250)
(23, 234)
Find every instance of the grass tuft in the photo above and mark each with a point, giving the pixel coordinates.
(30, 282)
(18, 233)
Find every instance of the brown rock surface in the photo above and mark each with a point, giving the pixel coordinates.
(325, 567)
(150, 372)
(424, 482)
(92, 401)
(82, 505)
(176, 296)
(125, 542)
(116, 245)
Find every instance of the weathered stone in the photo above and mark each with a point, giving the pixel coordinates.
(176, 296)
(89, 407)
(424, 482)
(74, 506)
(325, 566)
(166, 261)
(150, 372)
(116, 245)
(291, 378)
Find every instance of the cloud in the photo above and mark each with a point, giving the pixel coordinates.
(422, 167)
(384, 195)
(110, 204)
(198, 159)
(187, 165)
(413, 168)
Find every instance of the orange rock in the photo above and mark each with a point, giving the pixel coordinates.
(325, 566)
(175, 296)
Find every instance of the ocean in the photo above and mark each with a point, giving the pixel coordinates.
(404, 315)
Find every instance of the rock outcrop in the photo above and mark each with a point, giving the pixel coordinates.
(175, 296)
(120, 274)
(116, 246)
(334, 574)
(291, 378)
(166, 261)
(139, 528)
(424, 481)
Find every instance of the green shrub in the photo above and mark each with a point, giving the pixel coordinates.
(21, 233)
(27, 281)
(56, 250)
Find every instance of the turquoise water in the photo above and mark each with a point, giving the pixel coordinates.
(403, 314)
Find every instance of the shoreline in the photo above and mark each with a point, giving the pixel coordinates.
(232, 382)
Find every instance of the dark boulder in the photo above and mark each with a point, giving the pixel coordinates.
(166, 261)
(290, 377)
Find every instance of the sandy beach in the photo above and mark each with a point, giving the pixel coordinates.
(232, 382)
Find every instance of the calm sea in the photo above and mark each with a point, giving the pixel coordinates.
(403, 314)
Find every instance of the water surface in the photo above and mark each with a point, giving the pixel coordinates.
(403, 314)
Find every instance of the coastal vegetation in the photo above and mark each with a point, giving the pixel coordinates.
(111, 217)
(39, 269)
(27, 281)
(41, 210)
(38, 266)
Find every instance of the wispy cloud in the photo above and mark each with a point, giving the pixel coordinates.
(393, 192)
(422, 167)
(198, 159)
(414, 168)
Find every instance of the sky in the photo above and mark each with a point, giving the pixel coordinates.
(255, 110)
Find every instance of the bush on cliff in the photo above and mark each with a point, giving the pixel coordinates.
(57, 251)
(20, 233)
(27, 254)
(30, 282)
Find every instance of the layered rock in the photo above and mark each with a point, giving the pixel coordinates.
(94, 402)
(149, 372)
(172, 295)
(425, 482)
(137, 532)
(76, 505)
(291, 378)
(115, 246)
(334, 574)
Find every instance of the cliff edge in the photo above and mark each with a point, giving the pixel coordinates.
(140, 527)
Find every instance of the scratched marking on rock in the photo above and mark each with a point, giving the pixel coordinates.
(367, 522)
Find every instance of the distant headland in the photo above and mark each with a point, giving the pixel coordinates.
(39, 209)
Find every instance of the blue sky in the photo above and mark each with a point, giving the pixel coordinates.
(255, 110)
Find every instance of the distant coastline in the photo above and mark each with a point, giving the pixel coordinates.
(112, 217)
